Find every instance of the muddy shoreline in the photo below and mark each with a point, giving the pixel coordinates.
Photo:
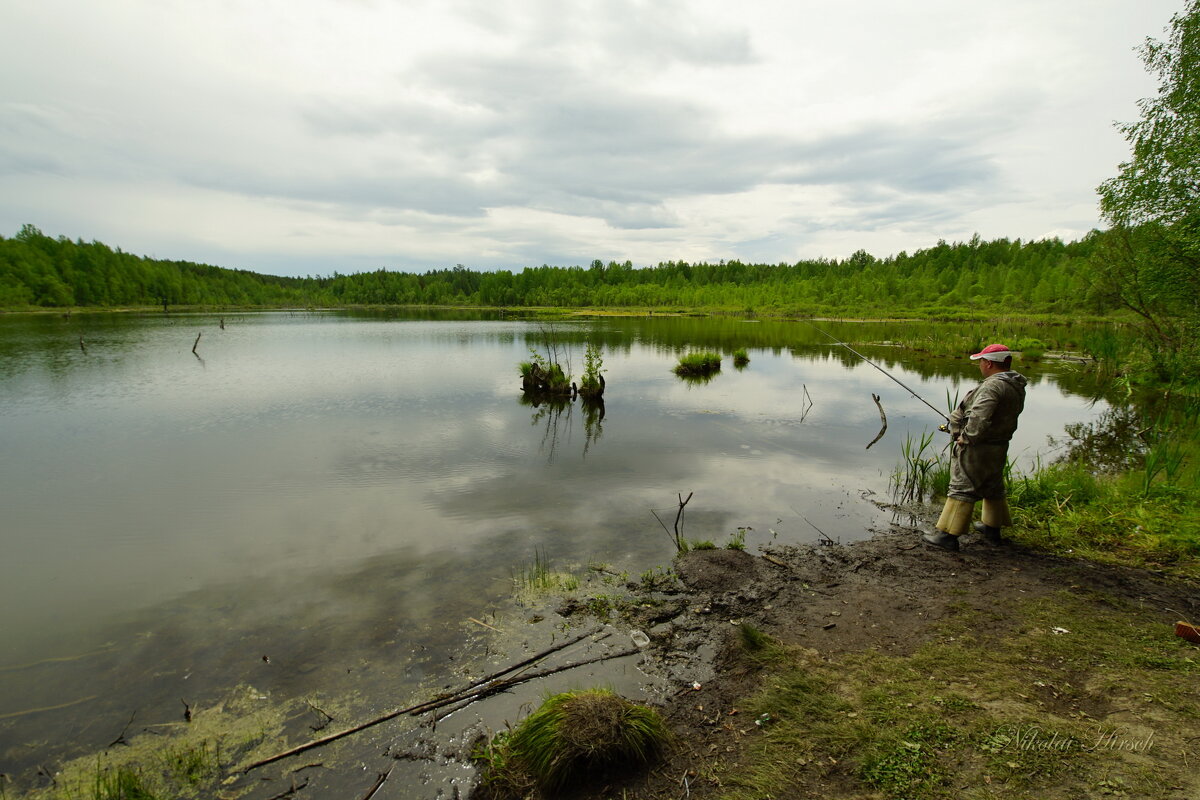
(888, 594)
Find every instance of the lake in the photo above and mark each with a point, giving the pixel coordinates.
(321, 501)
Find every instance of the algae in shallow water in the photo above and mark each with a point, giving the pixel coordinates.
(186, 759)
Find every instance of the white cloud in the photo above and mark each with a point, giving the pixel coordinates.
(317, 135)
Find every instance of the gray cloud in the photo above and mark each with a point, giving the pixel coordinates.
(558, 140)
(525, 130)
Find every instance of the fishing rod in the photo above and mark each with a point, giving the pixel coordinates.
(876, 366)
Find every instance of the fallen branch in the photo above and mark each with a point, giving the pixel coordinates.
(383, 776)
(197, 342)
(121, 739)
(508, 683)
(882, 418)
(419, 708)
(288, 792)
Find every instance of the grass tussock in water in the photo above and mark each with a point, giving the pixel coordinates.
(572, 736)
(698, 364)
(537, 578)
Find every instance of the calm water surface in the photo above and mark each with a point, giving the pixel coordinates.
(342, 491)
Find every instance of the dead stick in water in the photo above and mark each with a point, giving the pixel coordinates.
(484, 624)
(882, 418)
(418, 708)
(508, 683)
(383, 776)
(197, 342)
(679, 516)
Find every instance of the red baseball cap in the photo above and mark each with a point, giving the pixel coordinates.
(993, 352)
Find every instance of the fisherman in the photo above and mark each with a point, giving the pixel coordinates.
(980, 429)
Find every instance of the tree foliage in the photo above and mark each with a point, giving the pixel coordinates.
(999, 276)
(1150, 258)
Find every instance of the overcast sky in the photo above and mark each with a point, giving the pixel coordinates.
(308, 136)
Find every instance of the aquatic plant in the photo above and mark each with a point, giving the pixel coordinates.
(738, 540)
(698, 364)
(740, 357)
(1031, 349)
(592, 382)
(538, 578)
(570, 735)
(921, 467)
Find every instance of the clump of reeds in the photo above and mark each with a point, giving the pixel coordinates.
(698, 364)
(538, 578)
(921, 470)
(571, 735)
(740, 357)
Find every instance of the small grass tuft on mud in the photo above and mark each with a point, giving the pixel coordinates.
(572, 736)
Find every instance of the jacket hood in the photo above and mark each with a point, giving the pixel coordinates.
(1015, 378)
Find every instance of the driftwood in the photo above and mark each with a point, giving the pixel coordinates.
(383, 776)
(882, 418)
(428, 705)
(197, 342)
(500, 686)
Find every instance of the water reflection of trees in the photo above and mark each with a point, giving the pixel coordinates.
(1110, 443)
(554, 414)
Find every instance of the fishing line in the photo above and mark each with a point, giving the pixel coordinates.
(876, 366)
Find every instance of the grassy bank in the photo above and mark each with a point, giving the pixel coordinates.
(998, 705)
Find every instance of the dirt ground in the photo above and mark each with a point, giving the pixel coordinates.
(889, 593)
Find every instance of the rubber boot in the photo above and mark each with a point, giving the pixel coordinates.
(991, 534)
(941, 539)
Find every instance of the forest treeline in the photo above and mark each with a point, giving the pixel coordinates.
(1001, 275)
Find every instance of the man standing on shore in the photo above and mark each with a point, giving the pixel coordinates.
(981, 428)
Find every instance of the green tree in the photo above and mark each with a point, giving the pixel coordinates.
(1150, 257)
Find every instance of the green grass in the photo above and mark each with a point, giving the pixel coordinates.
(740, 357)
(995, 702)
(923, 470)
(570, 736)
(122, 783)
(1149, 518)
(698, 364)
(537, 579)
(737, 541)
